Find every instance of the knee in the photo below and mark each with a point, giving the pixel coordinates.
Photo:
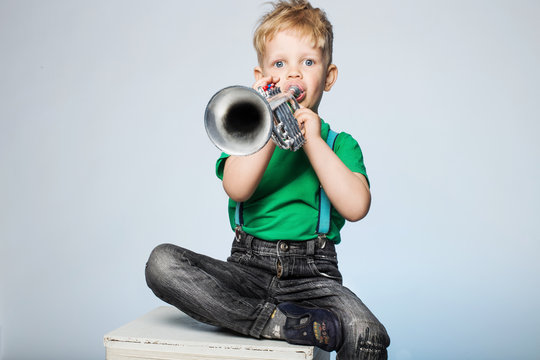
(159, 264)
(368, 336)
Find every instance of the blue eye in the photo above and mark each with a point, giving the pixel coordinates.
(278, 64)
(308, 62)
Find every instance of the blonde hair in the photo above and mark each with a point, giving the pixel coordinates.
(296, 15)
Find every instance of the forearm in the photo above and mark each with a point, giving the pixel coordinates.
(242, 174)
(348, 192)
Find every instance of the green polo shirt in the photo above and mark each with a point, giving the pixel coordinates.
(285, 205)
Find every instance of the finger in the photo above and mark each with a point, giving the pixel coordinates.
(300, 114)
(261, 82)
(265, 81)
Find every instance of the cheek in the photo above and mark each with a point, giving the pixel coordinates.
(279, 73)
(316, 87)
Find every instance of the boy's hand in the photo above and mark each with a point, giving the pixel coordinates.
(309, 122)
(262, 82)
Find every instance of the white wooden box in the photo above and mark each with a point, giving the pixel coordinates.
(167, 333)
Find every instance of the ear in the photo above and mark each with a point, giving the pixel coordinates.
(258, 73)
(331, 77)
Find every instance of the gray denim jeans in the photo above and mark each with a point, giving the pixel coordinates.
(241, 293)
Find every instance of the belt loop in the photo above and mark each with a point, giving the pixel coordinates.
(310, 248)
(249, 241)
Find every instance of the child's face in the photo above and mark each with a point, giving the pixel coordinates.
(293, 59)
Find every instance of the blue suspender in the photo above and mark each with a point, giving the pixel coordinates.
(323, 225)
(238, 218)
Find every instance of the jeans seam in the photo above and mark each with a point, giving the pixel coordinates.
(262, 319)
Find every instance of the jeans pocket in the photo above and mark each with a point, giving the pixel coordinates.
(239, 257)
(325, 268)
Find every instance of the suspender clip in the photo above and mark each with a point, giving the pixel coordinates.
(321, 241)
(238, 232)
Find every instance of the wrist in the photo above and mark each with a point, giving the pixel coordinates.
(312, 144)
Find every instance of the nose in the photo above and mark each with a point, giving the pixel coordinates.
(294, 73)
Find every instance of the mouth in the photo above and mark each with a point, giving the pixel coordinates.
(297, 90)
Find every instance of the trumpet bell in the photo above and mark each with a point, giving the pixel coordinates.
(238, 120)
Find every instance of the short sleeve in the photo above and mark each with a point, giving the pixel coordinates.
(220, 165)
(348, 150)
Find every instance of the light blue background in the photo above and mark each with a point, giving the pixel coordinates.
(103, 155)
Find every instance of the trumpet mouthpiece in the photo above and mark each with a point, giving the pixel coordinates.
(296, 91)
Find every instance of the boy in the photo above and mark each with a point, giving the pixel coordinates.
(282, 280)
